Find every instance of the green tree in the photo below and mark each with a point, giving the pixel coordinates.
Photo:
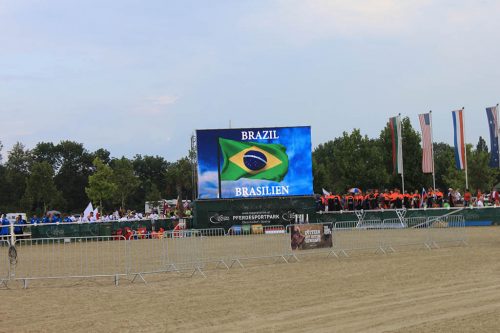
(412, 157)
(16, 173)
(124, 178)
(4, 189)
(101, 186)
(444, 166)
(453, 177)
(74, 166)
(46, 152)
(320, 176)
(324, 167)
(40, 188)
(352, 160)
(481, 176)
(481, 145)
(150, 170)
(103, 154)
(179, 178)
(153, 196)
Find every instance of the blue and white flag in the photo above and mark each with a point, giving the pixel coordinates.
(423, 197)
(492, 114)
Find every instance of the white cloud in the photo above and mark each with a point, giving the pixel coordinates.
(303, 21)
(157, 105)
(208, 185)
(164, 100)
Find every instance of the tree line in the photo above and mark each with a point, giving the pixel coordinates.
(65, 176)
(354, 160)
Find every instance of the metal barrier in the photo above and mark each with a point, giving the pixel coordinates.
(353, 235)
(447, 229)
(196, 250)
(409, 232)
(78, 257)
(214, 247)
(415, 222)
(274, 242)
(183, 248)
(4, 262)
(147, 255)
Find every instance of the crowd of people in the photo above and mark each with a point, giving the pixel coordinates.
(5, 225)
(355, 199)
(95, 216)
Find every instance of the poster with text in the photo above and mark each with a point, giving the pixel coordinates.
(310, 236)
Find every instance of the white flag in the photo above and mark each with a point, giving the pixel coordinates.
(87, 210)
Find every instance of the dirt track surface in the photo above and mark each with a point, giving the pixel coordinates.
(453, 289)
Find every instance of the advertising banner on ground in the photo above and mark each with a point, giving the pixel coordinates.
(254, 162)
(310, 236)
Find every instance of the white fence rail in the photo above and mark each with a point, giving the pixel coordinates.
(4, 262)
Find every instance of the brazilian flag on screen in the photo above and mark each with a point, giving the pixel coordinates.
(253, 160)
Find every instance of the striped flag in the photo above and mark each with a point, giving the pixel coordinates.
(423, 196)
(427, 158)
(397, 144)
(492, 114)
(459, 139)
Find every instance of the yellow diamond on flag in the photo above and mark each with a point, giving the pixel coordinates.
(238, 159)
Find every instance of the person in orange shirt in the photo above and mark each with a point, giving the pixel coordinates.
(467, 198)
(374, 200)
(479, 198)
(415, 199)
(337, 202)
(393, 196)
(407, 200)
(398, 202)
(358, 201)
(367, 200)
(386, 199)
(349, 201)
(430, 198)
(324, 202)
(439, 198)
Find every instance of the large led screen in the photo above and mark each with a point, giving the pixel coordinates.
(254, 162)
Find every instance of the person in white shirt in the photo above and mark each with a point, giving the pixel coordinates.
(91, 217)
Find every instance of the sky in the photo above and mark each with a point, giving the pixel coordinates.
(139, 77)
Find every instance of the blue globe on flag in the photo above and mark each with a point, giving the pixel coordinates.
(254, 160)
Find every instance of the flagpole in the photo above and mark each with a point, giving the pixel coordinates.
(400, 139)
(465, 150)
(497, 129)
(432, 152)
(218, 170)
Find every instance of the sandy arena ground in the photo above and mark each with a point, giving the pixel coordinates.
(453, 289)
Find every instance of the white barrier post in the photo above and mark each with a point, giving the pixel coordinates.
(5, 272)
